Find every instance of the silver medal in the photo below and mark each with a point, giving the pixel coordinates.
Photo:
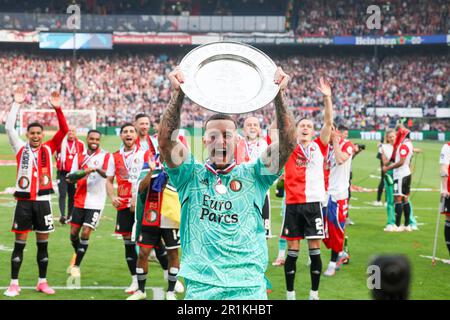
(220, 188)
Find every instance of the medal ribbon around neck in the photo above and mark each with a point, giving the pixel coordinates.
(87, 158)
(128, 163)
(251, 150)
(306, 152)
(210, 168)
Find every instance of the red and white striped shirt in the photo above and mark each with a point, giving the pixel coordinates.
(304, 177)
(73, 148)
(91, 190)
(126, 167)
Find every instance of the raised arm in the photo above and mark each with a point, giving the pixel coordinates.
(339, 155)
(325, 133)
(283, 148)
(143, 185)
(13, 137)
(172, 150)
(57, 139)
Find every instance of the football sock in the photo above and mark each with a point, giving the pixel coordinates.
(161, 255)
(75, 241)
(315, 268)
(172, 278)
(407, 210)
(17, 258)
(398, 213)
(290, 267)
(334, 256)
(131, 256)
(42, 257)
(82, 248)
(447, 234)
(141, 278)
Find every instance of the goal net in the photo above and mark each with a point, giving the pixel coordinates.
(82, 120)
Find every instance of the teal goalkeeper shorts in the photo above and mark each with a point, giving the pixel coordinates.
(202, 291)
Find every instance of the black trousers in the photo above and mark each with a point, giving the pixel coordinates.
(65, 190)
(381, 184)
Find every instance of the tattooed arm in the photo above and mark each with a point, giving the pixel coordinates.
(171, 149)
(279, 152)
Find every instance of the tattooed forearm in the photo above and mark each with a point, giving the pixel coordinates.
(170, 122)
(282, 149)
(286, 127)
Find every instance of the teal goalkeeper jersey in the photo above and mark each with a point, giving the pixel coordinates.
(223, 239)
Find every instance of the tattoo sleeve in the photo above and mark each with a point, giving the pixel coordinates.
(170, 123)
(279, 152)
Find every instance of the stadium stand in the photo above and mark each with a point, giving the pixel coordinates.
(122, 84)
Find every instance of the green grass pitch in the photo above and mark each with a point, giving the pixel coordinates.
(104, 264)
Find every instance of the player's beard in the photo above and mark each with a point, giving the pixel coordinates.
(93, 147)
(129, 143)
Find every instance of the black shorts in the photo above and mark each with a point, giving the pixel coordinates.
(445, 206)
(124, 222)
(85, 217)
(150, 237)
(303, 221)
(33, 215)
(266, 215)
(402, 186)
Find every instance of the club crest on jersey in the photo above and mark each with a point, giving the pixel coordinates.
(96, 163)
(301, 161)
(24, 182)
(136, 160)
(235, 185)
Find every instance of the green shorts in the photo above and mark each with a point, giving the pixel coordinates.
(201, 291)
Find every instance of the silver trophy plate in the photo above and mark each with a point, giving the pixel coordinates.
(229, 77)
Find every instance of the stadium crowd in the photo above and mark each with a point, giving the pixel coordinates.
(308, 17)
(398, 17)
(121, 85)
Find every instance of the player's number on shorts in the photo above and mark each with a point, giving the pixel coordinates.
(319, 224)
(48, 219)
(176, 235)
(95, 217)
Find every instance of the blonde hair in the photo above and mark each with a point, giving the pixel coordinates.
(388, 132)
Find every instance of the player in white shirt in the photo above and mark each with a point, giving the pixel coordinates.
(88, 172)
(402, 154)
(445, 190)
(340, 161)
(386, 151)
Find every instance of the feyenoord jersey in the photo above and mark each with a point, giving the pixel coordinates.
(249, 151)
(222, 235)
(445, 160)
(91, 190)
(126, 167)
(405, 150)
(304, 173)
(339, 180)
